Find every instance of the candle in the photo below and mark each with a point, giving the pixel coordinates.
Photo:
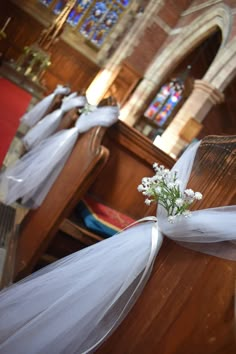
(6, 24)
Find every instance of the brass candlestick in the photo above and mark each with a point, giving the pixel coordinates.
(2, 30)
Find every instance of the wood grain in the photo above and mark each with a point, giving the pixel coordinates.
(188, 304)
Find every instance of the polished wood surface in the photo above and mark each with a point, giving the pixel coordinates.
(188, 304)
(131, 158)
(69, 66)
(40, 225)
(117, 178)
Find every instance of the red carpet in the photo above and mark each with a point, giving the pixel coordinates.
(13, 104)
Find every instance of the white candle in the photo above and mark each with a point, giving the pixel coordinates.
(6, 24)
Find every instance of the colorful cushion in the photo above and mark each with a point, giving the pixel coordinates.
(101, 219)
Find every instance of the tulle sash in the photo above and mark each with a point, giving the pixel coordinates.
(48, 125)
(31, 177)
(74, 304)
(38, 111)
(209, 230)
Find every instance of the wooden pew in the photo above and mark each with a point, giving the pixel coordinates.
(40, 225)
(188, 305)
(131, 158)
(117, 178)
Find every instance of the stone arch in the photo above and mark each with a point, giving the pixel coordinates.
(168, 58)
(190, 37)
(223, 69)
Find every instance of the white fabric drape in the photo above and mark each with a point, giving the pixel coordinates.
(48, 125)
(31, 177)
(38, 111)
(73, 305)
(207, 230)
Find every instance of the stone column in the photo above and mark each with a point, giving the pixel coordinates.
(203, 97)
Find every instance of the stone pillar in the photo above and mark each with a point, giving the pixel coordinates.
(203, 97)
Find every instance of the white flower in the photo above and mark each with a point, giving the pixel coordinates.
(147, 201)
(159, 177)
(140, 188)
(171, 219)
(164, 187)
(145, 180)
(148, 193)
(198, 195)
(189, 192)
(88, 108)
(158, 189)
(179, 202)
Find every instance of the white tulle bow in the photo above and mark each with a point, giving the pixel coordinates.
(38, 111)
(33, 175)
(48, 125)
(73, 305)
(210, 231)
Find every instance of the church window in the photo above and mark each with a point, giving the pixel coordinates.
(165, 102)
(93, 20)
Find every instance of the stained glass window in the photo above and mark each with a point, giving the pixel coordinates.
(93, 20)
(165, 101)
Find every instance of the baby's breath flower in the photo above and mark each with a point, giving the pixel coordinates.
(147, 201)
(140, 188)
(88, 108)
(164, 187)
(198, 195)
(189, 192)
(158, 189)
(145, 180)
(179, 202)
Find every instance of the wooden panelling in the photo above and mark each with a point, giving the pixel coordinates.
(124, 83)
(68, 65)
(188, 304)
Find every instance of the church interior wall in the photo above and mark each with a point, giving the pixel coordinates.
(24, 30)
(174, 51)
(142, 61)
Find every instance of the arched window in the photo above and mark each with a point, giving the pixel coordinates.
(165, 101)
(165, 104)
(94, 20)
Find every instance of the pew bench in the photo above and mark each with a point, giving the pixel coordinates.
(106, 163)
(131, 158)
